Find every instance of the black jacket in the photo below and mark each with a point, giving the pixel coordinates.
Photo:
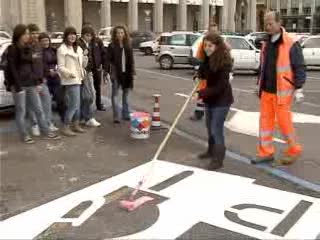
(97, 54)
(23, 69)
(218, 92)
(50, 62)
(115, 65)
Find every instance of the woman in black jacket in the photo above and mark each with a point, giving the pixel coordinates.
(217, 95)
(25, 83)
(121, 62)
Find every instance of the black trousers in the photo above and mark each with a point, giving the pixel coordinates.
(97, 86)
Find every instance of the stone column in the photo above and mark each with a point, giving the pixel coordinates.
(224, 17)
(158, 16)
(182, 19)
(205, 14)
(73, 14)
(253, 15)
(106, 13)
(133, 15)
(41, 9)
(268, 5)
(278, 6)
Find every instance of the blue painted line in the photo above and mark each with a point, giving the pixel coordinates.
(277, 172)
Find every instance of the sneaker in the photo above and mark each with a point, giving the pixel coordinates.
(35, 131)
(116, 121)
(53, 128)
(66, 130)
(53, 136)
(93, 123)
(28, 140)
(101, 108)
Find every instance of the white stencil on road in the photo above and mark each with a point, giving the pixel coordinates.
(248, 122)
(227, 201)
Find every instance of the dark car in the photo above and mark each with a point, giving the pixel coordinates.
(259, 40)
(139, 37)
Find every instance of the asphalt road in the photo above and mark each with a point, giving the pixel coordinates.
(70, 189)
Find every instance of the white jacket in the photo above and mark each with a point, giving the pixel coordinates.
(70, 62)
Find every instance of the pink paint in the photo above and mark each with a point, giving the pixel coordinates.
(132, 205)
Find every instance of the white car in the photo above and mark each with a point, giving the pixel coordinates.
(105, 34)
(149, 47)
(245, 55)
(6, 100)
(251, 37)
(5, 35)
(311, 51)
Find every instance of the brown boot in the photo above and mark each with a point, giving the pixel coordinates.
(76, 127)
(67, 131)
(217, 158)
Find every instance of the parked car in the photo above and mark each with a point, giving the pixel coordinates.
(139, 37)
(246, 56)
(149, 47)
(5, 35)
(311, 50)
(105, 34)
(251, 37)
(174, 48)
(6, 100)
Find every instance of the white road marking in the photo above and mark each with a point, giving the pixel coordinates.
(246, 122)
(189, 202)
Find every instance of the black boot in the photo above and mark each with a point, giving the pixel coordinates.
(217, 158)
(208, 153)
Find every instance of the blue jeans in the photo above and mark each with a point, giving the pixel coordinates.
(29, 96)
(88, 99)
(215, 118)
(72, 94)
(115, 101)
(46, 102)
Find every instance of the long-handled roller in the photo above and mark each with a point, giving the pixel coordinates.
(132, 204)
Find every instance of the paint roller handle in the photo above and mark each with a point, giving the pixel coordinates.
(163, 143)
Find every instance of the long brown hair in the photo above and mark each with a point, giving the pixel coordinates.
(126, 39)
(221, 57)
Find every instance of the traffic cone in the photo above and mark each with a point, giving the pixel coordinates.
(156, 111)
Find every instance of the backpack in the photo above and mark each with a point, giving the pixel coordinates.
(4, 68)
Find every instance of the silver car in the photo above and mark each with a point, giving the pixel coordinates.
(6, 100)
(174, 48)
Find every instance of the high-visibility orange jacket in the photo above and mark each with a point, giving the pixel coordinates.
(284, 72)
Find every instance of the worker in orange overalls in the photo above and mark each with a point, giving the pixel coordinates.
(202, 58)
(282, 76)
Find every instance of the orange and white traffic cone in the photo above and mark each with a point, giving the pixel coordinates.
(156, 111)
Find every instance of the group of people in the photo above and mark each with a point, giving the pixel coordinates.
(70, 77)
(281, 78)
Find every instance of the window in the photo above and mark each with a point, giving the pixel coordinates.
(294, 11)
(312, 43)
(179, 39)
(307, 11)
(237, 43)
(192, 39)
(283, 12)
(164, 40)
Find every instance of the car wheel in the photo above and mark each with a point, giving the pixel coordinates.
(148, 51)
(166, 62)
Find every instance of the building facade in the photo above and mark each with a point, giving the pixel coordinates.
(296, 15)
(142, 15)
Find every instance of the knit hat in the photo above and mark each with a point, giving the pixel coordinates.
(43, 35)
